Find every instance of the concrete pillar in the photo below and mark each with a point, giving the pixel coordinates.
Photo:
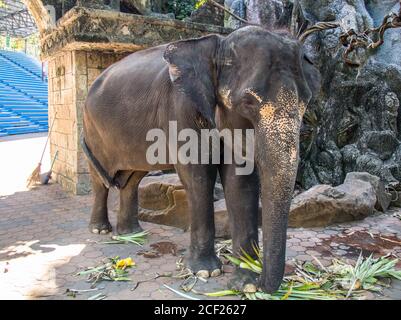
(71, 73)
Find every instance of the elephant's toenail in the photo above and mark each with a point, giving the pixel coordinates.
(104, 232)
(114, 237)
(215, 273)
(203, 274)
(249, 288)
(95, 231)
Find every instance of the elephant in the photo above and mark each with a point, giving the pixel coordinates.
(252, 78)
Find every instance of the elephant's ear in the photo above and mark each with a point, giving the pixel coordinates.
(192, 68)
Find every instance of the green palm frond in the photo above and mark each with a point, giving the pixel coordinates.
(138, 238)
(310, 282)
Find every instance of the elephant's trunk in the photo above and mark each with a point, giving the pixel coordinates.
(277, 160)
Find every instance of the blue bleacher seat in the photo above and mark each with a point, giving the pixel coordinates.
(23, 95)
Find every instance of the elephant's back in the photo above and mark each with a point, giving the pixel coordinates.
(133, 77)
(124, 103)
(136, 87)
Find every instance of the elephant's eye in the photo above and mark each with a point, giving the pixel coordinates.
(308, 60)
(248, 100)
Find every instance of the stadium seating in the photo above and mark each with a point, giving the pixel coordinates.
(23, 95)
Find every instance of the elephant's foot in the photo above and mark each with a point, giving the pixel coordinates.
(243, 279)
(100, 227)
(126, 229)
(205, 266)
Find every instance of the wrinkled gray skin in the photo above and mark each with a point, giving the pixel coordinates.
(252, 78)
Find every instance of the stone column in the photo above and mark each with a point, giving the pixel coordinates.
(71, 73)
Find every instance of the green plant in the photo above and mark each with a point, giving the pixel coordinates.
(114, 270)
(309, 282)
(200, 3)
(366, 273)
(181, 8)
(138, 238)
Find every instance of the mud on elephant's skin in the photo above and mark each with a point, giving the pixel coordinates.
(251, 79)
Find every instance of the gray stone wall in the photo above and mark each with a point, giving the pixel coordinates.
(355, 123)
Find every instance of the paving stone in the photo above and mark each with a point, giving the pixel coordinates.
(291, 253)
(298, 248)
(308, 244)
(303, 257)
(329, 232)
(340, 252)
(313, 253)
(160, 295)
(325, 262)
(67, 269)
(323, 236)
(93, 254)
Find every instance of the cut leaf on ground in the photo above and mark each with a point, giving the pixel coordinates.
(341, 280)
(114, 270)
(138, 238)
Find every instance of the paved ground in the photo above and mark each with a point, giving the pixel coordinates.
(44, 242)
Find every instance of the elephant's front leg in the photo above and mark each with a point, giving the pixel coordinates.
(242, 201)
(199, 181)
(127, 219)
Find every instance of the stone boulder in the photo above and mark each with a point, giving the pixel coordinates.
(221, 221)
(354, 124)
(383, 198)
(323, 205)
(162, 200)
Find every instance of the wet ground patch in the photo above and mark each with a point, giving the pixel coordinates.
(159, 249)
(352, 244)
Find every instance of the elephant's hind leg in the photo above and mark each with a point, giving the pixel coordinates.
(99, 222)
(127, 219)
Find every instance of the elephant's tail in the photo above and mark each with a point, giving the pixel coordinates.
(104, 176)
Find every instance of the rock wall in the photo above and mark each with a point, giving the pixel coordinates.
(208, 14)
(355, 123)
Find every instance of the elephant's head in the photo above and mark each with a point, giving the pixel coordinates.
(265, 78)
